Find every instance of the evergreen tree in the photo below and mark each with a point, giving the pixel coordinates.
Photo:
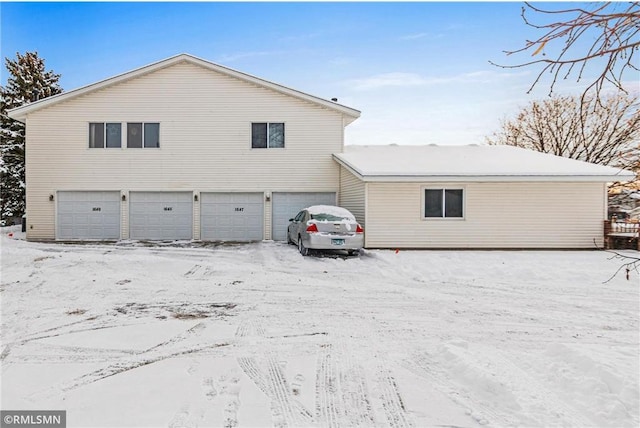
(28, 82)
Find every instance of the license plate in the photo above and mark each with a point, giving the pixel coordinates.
(337, 241)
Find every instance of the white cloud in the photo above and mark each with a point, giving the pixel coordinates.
(401, 79)
(242, 55)
(417, 36)
(388, 79)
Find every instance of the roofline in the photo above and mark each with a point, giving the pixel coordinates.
(492, 178)
(20, 113)
(412, 178)
(353, 170)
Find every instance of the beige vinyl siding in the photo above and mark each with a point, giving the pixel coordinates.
(352, 195)
(205, 141)
(496, 215)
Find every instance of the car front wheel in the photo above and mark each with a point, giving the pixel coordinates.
(303, 250)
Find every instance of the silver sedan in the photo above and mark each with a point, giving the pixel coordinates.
(325, 227)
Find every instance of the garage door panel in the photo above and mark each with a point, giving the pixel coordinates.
(254, 210)
(65, 220)
(112, 209)
(88, 215)
(160, 215)
(66, 208)
(232, 216)
(96, 222)
(287, 204)
(218, 221)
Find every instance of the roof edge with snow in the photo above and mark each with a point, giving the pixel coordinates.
(358, 169)
(20, 113)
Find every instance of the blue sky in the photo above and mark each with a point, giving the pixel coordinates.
(419, 72)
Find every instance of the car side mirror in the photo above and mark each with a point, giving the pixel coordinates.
(290, 219)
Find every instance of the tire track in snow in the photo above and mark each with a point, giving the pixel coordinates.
(286, 410)
(248, 328)
(250, 367)
(121, 367)
(199, 272)
(97, 325)
(62, 353)
(278, 382)
(149, 356)
(341, 392)
(391, 399)
(196, 329)
(115, 369)
(353, 389)
(191, 272)
(5, 352)
(327, 403)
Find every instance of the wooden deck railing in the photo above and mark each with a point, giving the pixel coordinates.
(621, 235)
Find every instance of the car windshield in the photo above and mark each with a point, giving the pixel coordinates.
(327, 217)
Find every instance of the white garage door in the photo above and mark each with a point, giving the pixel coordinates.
(88, 215)
(287, 205)
(231, 216)
(161, 215)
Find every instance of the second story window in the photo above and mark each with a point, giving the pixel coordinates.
(267, 135)
(103, 135)
(143, 135)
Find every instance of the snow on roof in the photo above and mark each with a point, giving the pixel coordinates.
(331, 210)
(20, 113)
(469, 163)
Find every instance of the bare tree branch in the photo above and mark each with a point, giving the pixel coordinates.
(631, 263)
(604, 131)
(613, 31)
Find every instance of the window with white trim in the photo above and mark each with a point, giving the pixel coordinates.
(443, 203)
(267, 135)
(143, 135)
(105, 134)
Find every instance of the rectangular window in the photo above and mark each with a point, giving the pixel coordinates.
(96, 135)
(453, 203)
(103, 135)
(134, 135)
(267, 135)
(443, 203)
(152, 135)
(114, 135)
(258, 135)
(141, 135)
(276, 135)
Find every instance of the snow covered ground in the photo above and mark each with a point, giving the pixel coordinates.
(256, 335)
